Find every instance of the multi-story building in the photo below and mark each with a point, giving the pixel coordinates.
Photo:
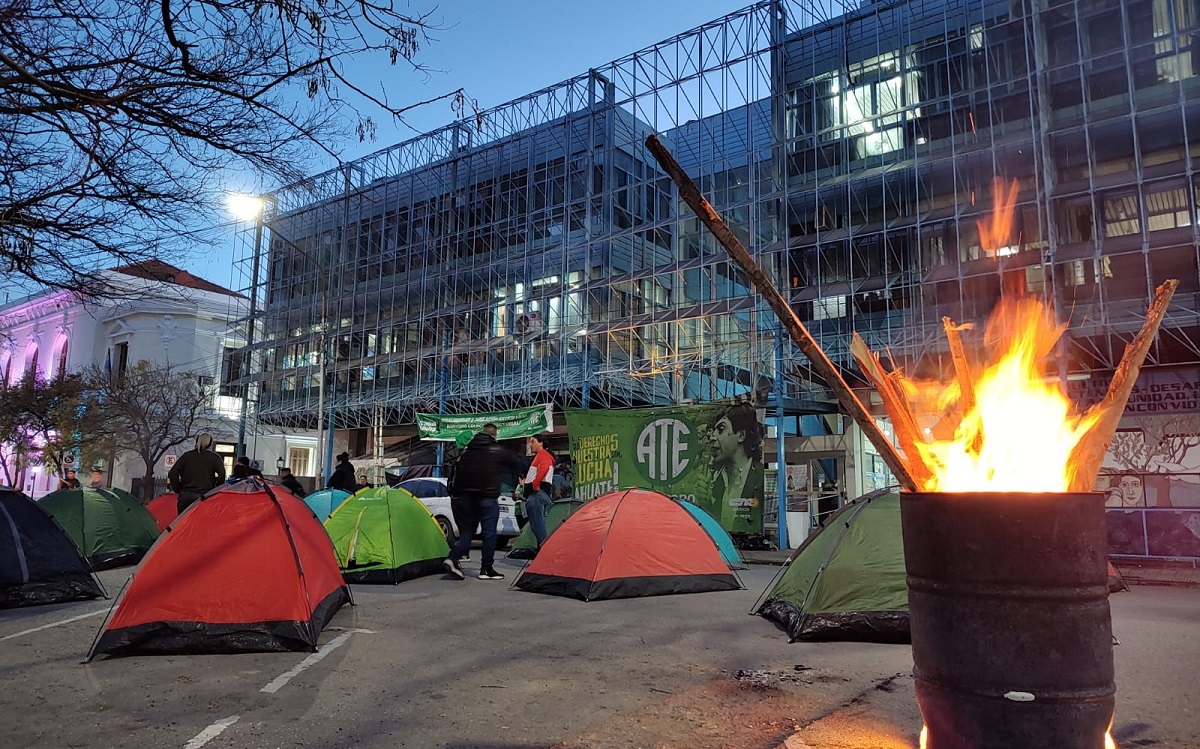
(157, 313)
(537, 253)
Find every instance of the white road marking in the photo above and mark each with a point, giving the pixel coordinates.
(312, 660)
(53, 624)
(210, 733)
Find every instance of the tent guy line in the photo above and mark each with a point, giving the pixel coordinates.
(210, 733)
(53, 624)
(280, 681)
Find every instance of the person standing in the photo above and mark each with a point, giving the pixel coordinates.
(363, 483)
(481, 467)
(250, 469)
(343, 475)
(196, 472)
(537, 487)
(69, 482)
(289, 482)
(97, 479)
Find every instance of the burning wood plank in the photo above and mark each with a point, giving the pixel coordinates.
(896, 405)
(803, 339)
(1089, 452)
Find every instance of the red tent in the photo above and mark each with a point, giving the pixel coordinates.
(244, 569)
(164, 508)
(628, 544)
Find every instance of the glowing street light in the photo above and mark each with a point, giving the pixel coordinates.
(244, 206)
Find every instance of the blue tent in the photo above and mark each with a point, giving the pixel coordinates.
(325, 501)
(718, 534)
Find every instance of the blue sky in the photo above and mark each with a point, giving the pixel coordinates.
(501, 50)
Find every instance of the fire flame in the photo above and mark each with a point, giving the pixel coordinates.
(1017, 428)
(924, 740)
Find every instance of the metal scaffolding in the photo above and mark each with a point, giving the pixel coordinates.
(536, 253)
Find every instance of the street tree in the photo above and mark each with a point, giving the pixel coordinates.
(118, 118)
(147, 410)
(41, 421)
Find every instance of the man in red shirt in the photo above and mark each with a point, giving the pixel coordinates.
(537, 485)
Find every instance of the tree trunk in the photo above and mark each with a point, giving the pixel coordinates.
(148, 483)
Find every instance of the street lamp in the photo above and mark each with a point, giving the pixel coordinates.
(249, 208)
(252, 208)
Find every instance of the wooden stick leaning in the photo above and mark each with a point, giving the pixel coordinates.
(903, 422)
(1089, 452)
(803, 339)
(962, 373)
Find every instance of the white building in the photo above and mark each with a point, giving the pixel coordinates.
(161, 314)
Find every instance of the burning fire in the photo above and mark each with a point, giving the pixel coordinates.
(1015, 429)
(1108, 739)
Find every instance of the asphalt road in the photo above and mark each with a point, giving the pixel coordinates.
(472, 665)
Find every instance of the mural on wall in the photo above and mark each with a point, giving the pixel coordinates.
(1152, 468)
(1153, 461)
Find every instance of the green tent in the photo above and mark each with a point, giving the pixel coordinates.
(385, 535)
(111, 527)
(524, 546)
(847, 580)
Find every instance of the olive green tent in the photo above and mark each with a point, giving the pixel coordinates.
(111, 527)
(385, 535)
(847, 580)
(524, 546)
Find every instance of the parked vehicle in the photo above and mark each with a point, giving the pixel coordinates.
(433, 493)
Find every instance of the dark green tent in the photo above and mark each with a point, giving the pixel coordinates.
(847, 580)
(111, 527)
(386, 535)
(524, 546)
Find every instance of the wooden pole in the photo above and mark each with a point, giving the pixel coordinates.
(804, 340)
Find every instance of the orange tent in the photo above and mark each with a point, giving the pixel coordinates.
(627, 544)
(246, 568)
(164, 508)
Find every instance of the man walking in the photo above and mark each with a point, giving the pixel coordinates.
(537, 485)
(196, 472)
(478, 475)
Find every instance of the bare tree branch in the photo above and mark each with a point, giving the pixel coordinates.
(117, 117)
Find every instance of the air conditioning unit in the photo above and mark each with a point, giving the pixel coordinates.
(527, 325)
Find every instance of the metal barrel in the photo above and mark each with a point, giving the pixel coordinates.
(1011, 631)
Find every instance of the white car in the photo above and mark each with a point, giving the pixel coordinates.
(433, 494)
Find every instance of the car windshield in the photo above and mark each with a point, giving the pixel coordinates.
(424, 488)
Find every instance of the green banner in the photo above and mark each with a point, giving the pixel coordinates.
(708, 455)
(460, 428)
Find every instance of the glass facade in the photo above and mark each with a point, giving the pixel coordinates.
(537, 253)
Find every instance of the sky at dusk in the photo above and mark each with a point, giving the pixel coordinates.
(498, 51)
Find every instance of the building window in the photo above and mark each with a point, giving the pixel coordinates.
(122, 360)
(31, 360)
(60, 368)
(1121, 216)
(1168, 209)
(232, 369)
(299, 460)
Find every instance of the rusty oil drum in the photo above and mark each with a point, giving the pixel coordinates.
(1011, 632)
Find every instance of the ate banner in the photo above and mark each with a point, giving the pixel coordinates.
(460, 428)
(709, 455)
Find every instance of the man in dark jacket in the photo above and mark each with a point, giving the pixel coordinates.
(477, 477)
(289, 482)
(196, 472)
(343, 475)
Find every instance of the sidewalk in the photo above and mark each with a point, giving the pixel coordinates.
(1140, 572)
(1150, 572)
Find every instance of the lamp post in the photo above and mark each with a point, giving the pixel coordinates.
(246, 208)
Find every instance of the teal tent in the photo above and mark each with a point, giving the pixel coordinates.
(325, 501)
(718, 534)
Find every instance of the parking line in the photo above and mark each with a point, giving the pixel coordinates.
(210, 733)
(279, 681)
(53, 624)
